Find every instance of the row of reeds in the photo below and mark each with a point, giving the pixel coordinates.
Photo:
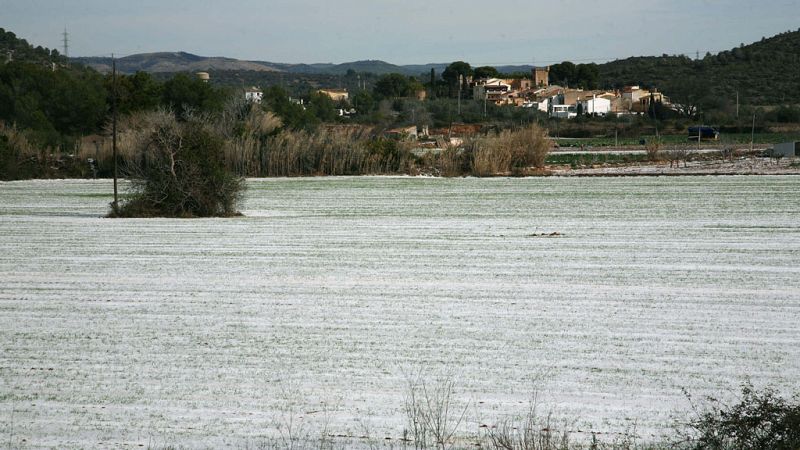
(510, 152)
(255, 145)
(22, 158)
(323, 152)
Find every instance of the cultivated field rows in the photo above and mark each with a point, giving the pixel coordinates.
(320, 302)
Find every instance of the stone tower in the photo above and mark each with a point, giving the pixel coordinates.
(541, 76)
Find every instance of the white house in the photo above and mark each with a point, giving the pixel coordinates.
(253, 95)
(541, 105)
(491, 89)
(596, 105)
(563, 111)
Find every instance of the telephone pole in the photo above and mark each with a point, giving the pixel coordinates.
(460, 78)
(115, 205)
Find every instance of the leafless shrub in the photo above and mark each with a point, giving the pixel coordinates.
(288, 420)
(434, 413)
(728, 153)
(366, 438)
(653, 150)
(676, 155)
(413, 406)
(528, 432)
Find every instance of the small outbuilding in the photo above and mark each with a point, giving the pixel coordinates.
(787, 149)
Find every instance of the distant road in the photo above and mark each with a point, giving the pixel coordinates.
(638, 150)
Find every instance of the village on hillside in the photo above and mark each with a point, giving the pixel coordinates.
(563, 102)
(534, 92)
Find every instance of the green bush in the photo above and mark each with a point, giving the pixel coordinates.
(181, 173)
(760, 421)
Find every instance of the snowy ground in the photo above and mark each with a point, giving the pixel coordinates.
(121, 333)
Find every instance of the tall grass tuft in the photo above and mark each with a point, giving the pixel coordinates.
(511, 151)
(331, 151)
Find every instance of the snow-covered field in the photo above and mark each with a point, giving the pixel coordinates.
(318, 301)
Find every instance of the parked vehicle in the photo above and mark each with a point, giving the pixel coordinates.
(703, 132)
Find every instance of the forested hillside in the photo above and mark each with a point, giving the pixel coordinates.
(55, 103)
(763, 73)
(13, 48)
(39, 93)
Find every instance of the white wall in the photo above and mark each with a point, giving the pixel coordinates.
(598, 105)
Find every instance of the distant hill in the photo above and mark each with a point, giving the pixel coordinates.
(763, 73)
(165, 62)
(171, 62)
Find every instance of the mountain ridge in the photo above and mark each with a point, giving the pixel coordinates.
(179, 61)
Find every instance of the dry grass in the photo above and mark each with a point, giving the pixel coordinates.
(332, 152)
(511, 151)
(21, 158)
(255, 145)
(18, 142)
(653, 150)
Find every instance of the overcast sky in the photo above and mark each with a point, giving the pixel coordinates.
(400, 31)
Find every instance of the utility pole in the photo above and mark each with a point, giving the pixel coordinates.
(115, 205)
(460, 78)
(433, 83)
(737, 105)
(699, 136)
(753, 132)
